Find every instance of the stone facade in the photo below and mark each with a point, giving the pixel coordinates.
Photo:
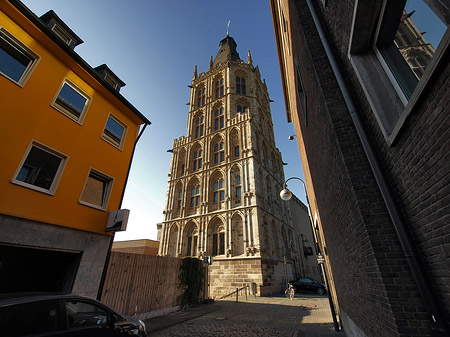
(225, 177)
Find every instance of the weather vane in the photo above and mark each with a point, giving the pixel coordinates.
(228, 28)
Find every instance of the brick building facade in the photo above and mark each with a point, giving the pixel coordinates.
(374, 142)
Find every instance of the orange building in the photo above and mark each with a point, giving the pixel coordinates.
(68, 137)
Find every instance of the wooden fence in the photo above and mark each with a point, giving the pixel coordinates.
(141, 285)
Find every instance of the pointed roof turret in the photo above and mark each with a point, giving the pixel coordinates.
(227, 51)
(249, 58)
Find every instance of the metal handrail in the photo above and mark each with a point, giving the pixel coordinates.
(237, 293)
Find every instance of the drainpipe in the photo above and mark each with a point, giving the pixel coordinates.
(108, 255)
(438, 324)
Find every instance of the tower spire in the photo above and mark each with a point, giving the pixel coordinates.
(211, 63)
(249, 58)
(195, 73)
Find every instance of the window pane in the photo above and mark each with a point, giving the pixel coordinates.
(39, 169)
(114, 130)
(238, 191)
(95, 189)
(222, 243)
(29, 319)
(238, 180)
(401, 37)
(82, 314)
(216, 197)
(222, 195)
(215, 244)
(13, 61)
(216, 185)
(236, 152)
(71, 100)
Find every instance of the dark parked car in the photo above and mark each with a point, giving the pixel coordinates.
(62, 315)
(306, 284)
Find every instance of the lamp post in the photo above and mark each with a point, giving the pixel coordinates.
(286, 195)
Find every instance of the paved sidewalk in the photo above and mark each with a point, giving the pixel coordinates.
(304, 316)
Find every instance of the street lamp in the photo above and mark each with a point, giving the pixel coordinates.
(286, 195)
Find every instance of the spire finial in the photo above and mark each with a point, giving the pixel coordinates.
(211, 64)
(228, 28)
(195, 73)
(249, 58)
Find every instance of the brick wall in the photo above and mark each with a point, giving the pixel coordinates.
(371, 275)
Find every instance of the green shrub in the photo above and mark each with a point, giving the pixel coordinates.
(191, 280)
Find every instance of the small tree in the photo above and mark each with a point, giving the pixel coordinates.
(191, 277)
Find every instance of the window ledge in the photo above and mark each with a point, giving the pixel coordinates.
(33, 187)
(120, 148)
(92, 205)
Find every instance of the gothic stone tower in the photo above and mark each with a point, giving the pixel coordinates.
(225, 176)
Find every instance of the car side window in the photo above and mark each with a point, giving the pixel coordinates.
(29, 319)
(83, 314)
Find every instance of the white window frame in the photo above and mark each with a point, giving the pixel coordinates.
(22, 48)
(108, 139)
(389, 104)
(67, 112)
(107, 195)
(57, 176)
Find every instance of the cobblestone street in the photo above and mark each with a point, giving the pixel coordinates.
(304, 316)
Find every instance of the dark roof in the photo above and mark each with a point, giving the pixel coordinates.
(103, 68)
(51, 15)
(41, 25)
(227, 51)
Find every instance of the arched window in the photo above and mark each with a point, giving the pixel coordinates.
(201, 97)
(181, 163)
(179, 198)
(237, 230)
(242, 109)
(191, 240)
(216, 240)
(219, 121)
(219, 153)
(218, 191)
(240, 86)
(173, 241)
(234, 144)
(199, 121)
(195, 196)
(238, 188)
(178, 204)
(197, 160)
(219, 88)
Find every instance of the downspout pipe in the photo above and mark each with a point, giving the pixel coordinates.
(108, 254)
(437, 320)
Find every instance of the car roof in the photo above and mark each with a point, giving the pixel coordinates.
(26, 297)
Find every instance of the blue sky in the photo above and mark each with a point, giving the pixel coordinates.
(153, 47)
